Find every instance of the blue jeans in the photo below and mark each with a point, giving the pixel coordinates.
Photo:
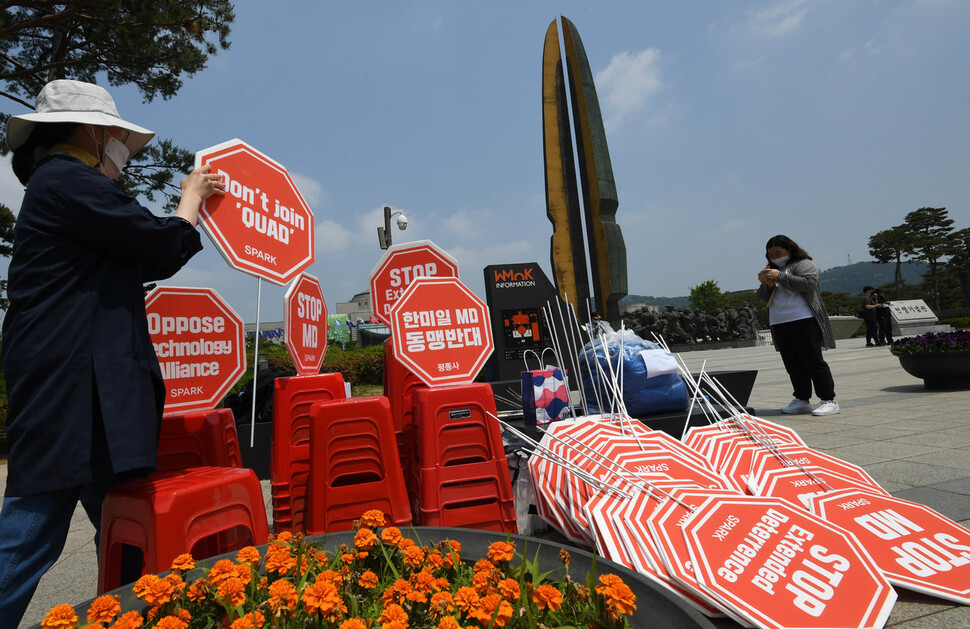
(33, 530)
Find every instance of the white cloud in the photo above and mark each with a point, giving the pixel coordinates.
(627, 84)
(312, 190)
(331, 237)
(779, 20)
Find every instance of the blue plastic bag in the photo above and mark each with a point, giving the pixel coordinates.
(642, 395)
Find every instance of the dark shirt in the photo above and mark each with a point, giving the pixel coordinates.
(75, 337)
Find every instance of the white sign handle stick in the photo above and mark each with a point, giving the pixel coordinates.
(252, 427)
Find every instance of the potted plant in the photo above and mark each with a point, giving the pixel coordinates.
(941, 359)
(384, 577)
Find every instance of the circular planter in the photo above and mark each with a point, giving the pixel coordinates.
(656, 606)
(939, 370)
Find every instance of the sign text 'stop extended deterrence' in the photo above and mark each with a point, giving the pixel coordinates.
(399, 266)
(200, 345)
(262, 225)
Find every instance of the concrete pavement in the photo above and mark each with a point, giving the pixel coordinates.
(914, 442)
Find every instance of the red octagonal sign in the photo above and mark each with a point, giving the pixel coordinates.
(200, 344)
(262, 225)
(440, 330)
(305, 324)
(399, 266)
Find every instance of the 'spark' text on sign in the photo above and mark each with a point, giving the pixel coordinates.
(199, 341)
(262, 225)
(305, 324)
(440, 330)
(399, 266)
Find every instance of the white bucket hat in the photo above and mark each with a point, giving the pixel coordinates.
(65, 100)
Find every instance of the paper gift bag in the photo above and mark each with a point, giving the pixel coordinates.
(545, 396)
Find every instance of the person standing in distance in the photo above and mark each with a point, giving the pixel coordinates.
(800, 327)
(867, 308)
(84, 388)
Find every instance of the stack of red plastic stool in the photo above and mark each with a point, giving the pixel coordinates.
(290, 457)
(354, 465)
(460, 472)
(400, 383)
(210, 507)
(197, 439)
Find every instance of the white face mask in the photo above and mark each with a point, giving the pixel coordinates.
(780, 262)
(113, 156)
(116, 156)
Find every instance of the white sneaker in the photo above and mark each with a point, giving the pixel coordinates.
(827, 407)
(797, 407)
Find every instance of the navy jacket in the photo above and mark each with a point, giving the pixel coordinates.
(75, 334)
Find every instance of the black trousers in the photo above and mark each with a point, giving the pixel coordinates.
(885, 320)
(800, 345)
(872, 328)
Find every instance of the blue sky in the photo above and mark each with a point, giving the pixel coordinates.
(727, 123)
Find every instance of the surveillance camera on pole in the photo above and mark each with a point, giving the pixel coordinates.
(384, 233)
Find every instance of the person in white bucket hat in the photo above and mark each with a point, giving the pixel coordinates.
(85, 392)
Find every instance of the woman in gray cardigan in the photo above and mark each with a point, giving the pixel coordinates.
(800, 326)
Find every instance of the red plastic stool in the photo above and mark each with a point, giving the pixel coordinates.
(204, 438)
(345, 479)
(290, 460)
(399, 386)
(204, 511)
(461, 475)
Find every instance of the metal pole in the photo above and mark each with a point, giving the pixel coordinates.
(252, 428)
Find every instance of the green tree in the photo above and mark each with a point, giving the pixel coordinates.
(890, 245)
(932, 240)
(151, 44)
(707, 296)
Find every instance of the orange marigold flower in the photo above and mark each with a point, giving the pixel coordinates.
(391, 535)
(104, 609)
(373, 518)
(393, 616)
(323, 598)
(184, 615)
(280, 562)
(413, 557)
(547, 597)
(405, 542)
(128, 620)
(143, 584)
(466, 598)
(501, 551)
(171, 622)
(435, 560)
(222, 570)
(232, 591)
(248, 555)
(448, 622)
(347, 558)
(183, 563)
(154, 591)
(282, 596)
(362, 555)
(509, 588)
(368, 580)
(484, 581)
(483, 565)
(198, 590)
(178, 585)
(353, 623)
(284, 536)
(252, 620)
(487, 607)
(397, 592)
(618, 596)
(322, 558)
(333, 577)
(60, 617)
(564, 556)
(441, 603)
